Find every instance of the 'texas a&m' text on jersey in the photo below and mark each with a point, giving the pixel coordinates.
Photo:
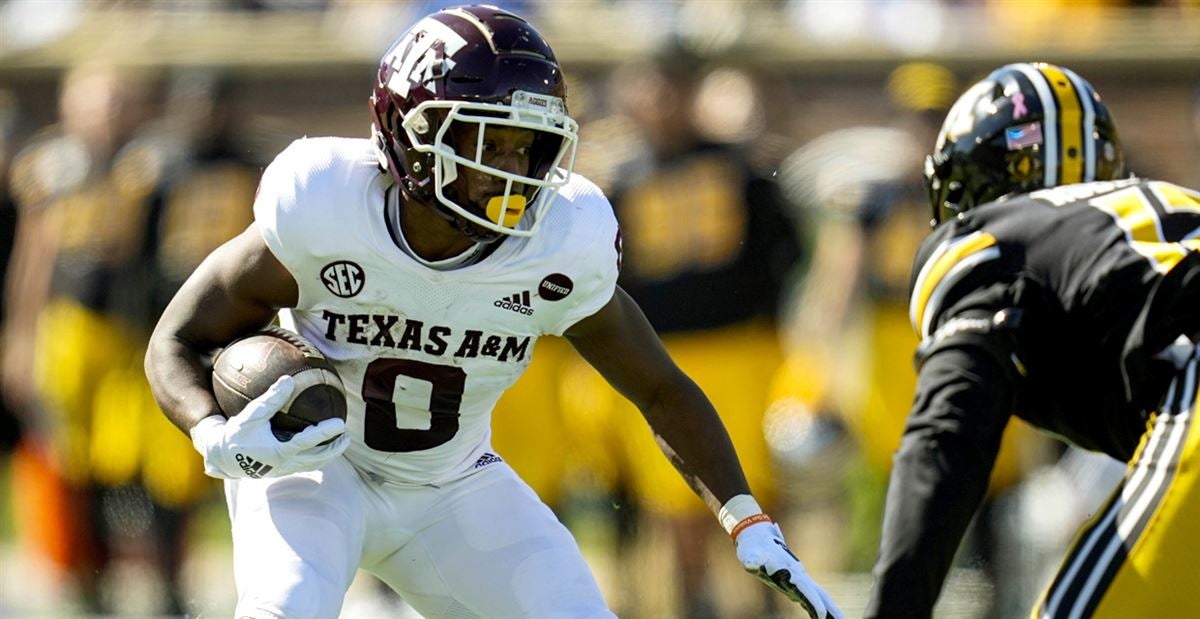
(1051, 307)
(423, 353)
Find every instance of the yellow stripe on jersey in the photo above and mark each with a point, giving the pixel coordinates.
(1164, 256)
(1070, 119)
(1132, 211)
(1133, 214)
(1176, 198)
(949, 262)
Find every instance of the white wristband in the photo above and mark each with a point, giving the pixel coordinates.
(202, 428)
(736, 510)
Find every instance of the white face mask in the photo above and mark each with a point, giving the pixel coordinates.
(529, 111)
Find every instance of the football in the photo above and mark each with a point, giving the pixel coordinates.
(245, 368)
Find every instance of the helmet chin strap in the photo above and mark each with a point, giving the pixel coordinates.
(461, 225)
(471, 231)
(457, 222)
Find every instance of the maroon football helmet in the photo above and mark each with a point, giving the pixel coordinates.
(479, 65)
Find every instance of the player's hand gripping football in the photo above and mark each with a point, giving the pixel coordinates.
(244, 446)
(762, 551)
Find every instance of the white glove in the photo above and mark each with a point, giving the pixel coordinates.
(244, 446)
(762, 551)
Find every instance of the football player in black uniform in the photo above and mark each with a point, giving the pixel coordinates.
(1054, 290)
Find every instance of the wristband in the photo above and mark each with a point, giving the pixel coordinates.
(746, 522)
(736, 510)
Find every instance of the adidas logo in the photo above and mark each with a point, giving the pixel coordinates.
(518, 303)
(253, 468)
(486, 459)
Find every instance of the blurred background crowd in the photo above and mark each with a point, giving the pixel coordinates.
(764, 160)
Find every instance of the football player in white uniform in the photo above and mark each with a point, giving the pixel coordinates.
(425, 264)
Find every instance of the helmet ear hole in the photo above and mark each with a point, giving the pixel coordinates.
(953, 197)
(418, 164)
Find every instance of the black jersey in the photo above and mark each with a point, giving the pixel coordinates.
(1048, 306)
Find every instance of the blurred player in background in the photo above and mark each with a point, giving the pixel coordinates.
(210, 181)
(1056, 291)
(707, 245)
(79, 312)
(847, 336)
(425, 264)
(208, 184)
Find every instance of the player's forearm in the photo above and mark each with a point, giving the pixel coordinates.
(930, 502)
(236, 290)
(179, 378)
(939, 477)
(694, 439)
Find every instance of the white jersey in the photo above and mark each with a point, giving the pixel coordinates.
(423, 354)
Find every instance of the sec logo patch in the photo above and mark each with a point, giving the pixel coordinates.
(343, 278)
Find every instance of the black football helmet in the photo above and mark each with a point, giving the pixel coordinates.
(1025, 126)
(480, 65)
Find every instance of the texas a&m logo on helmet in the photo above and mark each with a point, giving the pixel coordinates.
(422, 56)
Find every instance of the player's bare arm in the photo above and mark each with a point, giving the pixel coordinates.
(235, 291)
(620, 343)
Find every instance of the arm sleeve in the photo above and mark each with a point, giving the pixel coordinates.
(939, 476)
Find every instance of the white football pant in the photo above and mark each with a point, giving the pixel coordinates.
(483, 546)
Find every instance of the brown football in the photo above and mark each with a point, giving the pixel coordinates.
(245, 368)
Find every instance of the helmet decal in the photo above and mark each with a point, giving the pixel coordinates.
(1019, 109)
(413, 57)
(1023, 136)
(1024, 166)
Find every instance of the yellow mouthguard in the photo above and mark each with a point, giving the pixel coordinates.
(511, 214)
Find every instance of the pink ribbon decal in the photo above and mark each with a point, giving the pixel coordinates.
(1019, 109)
